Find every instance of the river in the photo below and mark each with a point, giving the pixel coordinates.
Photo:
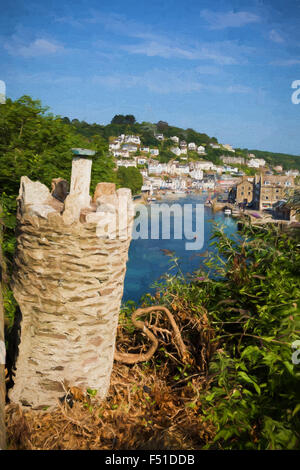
(147, 262)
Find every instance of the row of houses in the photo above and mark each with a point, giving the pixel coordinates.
(193, 169)
(123, 145)
(154, 183)
(252, 161)
(262, 191)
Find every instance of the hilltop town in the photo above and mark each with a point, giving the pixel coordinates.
(247, 181)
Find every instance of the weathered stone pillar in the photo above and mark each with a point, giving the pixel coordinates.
(2, 358)
(68, 281)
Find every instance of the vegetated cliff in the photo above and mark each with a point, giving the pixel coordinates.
(2, 353)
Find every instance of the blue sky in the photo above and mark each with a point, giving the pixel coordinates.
(220, 67)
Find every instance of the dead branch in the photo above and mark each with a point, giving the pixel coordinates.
(141, 357)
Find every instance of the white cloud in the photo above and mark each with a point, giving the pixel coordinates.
(231, 19)
(238, 89)
(219, 52)
(154, 44)
(164, 81)
(38, 47)
(167, 51)
(275, 36)
(285, 62)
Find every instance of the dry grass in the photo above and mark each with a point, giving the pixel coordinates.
(152, 405)
(140, 412)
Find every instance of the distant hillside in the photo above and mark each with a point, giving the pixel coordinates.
(121, 124)
(146, 130)
(287, 161)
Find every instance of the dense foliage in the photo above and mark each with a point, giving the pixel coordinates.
(38, 144)
(130, 177)
(250, 293)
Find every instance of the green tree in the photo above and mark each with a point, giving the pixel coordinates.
(38, 144)
(130, 178)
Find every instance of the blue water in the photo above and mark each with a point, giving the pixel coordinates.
(147, 263)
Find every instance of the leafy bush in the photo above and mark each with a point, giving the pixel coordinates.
(250, 291)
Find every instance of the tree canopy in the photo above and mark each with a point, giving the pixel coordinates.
(130, 178)
(120, 119)
(35, 143)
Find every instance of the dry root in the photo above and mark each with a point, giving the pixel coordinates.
(129, 358)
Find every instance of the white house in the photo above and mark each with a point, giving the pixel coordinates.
(156, 182)
(228, 147)
(256, 162)
(114, 145)
(121, 153)
(159, 137)
(167, 184)
(204, 165)
(132, 139)
(215, 146)
(171, 168)
(219, 169)
(130, 147)
(157, 169)
(183, 169)
(145, 149)
(144, 173)
(141, 160)
(201, 150)
(178, 183)
(176, 151)
(292, 173)
(154, 152)
(175, 139)
(147, 187)
(196, 174)
(126, 163)
(192, 146)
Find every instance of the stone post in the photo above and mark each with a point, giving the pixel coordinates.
(2, 358)
(81, 180)
(69, 273)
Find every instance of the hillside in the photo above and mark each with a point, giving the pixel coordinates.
(287, 161)
(127, 125)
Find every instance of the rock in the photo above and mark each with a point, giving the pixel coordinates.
(124, 192)
(94, 217)
(107, 200)
(107, 208)
(39, 210)
(60, 189)
(104, 189)
(85, 212)
(55, 203)
(72, 208)
(32, 192)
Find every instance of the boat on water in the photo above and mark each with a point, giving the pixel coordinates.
(235, 213)
(227, 211)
